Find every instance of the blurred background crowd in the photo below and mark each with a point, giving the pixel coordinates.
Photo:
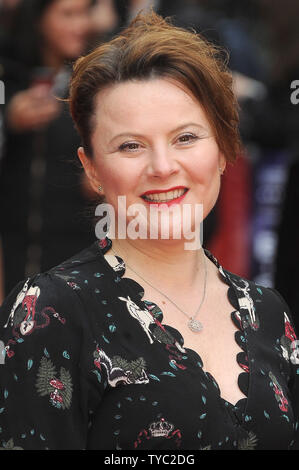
(45, 201)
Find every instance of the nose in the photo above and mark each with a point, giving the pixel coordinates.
(162, 163)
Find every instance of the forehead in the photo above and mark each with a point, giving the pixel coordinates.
(147, 102)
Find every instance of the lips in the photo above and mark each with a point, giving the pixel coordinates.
(165, 196)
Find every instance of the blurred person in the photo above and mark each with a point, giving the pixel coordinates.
(103, 17)
(135, 6)
(41, 195)
(277, 114)
(277, 137)
(7, 8)
(142, 342)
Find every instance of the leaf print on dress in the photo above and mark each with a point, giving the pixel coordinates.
(248, 443)
(59, 389)
(289, 342)
(159, 429)
(119, 370)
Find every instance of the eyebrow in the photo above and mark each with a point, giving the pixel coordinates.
(131, 134)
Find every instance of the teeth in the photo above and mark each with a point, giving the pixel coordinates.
(165, 197)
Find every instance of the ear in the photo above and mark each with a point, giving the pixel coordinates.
(222, 162)
(89, 169)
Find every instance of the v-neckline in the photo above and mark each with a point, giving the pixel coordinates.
(119, 270)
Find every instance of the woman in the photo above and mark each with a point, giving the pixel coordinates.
(146, 343)
(40, 140)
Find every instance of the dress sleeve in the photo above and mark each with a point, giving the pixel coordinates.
(46, 393)
(290, 345)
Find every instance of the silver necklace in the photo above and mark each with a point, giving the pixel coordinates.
(194, 325)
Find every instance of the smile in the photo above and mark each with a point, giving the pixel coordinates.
(170, 196)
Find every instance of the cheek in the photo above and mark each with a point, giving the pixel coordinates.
(206, 165)
(116, 179)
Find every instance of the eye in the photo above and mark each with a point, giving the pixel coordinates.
(129, 147)
(187, 138)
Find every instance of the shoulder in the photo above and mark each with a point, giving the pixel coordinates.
(50, 299)
(259, 304)
(266, 296)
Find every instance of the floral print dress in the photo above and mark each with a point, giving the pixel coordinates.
(87, 363)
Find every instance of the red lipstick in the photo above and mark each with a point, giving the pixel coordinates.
(168, 203)
(155, 191)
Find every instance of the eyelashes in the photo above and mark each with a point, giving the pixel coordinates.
(129, 146)
(187, 138)
(182, 140)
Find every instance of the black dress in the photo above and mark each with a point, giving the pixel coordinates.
(88, 364)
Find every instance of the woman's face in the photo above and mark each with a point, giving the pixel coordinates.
(149, 137)
(64, 27)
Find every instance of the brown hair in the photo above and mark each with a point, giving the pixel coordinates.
(152, 47)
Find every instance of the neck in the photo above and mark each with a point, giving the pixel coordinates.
(161, 259)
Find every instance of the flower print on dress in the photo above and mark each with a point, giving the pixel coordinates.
(289, 342)
(59, 389)
(159, 429)
(279, 395)
(119, 370)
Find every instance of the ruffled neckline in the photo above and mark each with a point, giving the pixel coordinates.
(136, 292)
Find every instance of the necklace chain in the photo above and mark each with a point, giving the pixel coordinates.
(193, 324)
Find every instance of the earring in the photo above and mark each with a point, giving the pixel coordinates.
(100, 188)
(220, 171)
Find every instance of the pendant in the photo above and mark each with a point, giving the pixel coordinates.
(195, 325)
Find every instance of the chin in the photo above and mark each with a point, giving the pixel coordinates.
(74, 52)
